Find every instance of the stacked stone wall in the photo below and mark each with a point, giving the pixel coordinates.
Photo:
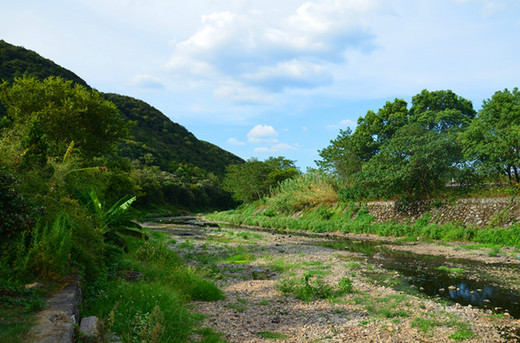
(476, 212)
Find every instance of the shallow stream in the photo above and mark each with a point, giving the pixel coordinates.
(463, 281)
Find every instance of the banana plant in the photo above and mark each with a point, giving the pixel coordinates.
(114, 222)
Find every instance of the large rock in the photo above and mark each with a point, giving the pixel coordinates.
(89, 327)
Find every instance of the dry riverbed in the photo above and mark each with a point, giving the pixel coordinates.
(288, 288)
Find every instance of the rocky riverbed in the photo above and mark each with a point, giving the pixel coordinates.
(292, 288)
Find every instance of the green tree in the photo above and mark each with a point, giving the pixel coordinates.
(492, 141)
(340, 158)
(254, 179)
(380, 127)
(442, 111)
(346, 154)
(423, 155)
(65, 113)
(412, 165)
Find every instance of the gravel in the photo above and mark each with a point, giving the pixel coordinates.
(255, 308)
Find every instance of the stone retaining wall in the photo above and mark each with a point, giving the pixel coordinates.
(478, 212)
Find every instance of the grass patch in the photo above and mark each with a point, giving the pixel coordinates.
(462, 330)
(240, 258)
(209, 336)
(280, 266)
(392, 306)
(272, 335)
(154, 307)
(309, 288)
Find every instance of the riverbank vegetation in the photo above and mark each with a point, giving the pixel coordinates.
(66, 197)
(439, 149)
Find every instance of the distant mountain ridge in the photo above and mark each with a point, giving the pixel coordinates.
(154, 135)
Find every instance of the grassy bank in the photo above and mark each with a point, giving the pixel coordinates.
(153, 306)
(311, 202)
(350, 218)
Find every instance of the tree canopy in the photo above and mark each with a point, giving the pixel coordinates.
(254, 179)
(492, 141)
(64, 113)
(401, 152)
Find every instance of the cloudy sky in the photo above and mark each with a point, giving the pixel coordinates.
(274, 78)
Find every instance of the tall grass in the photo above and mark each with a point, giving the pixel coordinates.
(154, 308)
(49, 253)
(308, 190)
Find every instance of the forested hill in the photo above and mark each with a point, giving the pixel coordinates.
(17, 61)
(166, 142)
(154, 138)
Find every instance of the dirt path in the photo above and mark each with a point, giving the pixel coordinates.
(287, 288)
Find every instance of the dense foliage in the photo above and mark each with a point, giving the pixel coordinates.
(254, 179)
(59, 114)
(492, 141)
(159, 161)
(156, 140)
(68, 178)
(414, 153)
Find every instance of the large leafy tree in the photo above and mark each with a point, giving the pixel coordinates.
(492, 141)
(396, 152)
(376, 128)
(413, 164)
(441, 111)
(424, 154)
(254, 179)
(64, 113)
(346, 154)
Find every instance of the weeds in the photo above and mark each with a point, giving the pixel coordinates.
(155, 307)
(309, 289)
(428, 325)
(453, 271)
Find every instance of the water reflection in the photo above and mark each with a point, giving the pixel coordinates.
(424, 274)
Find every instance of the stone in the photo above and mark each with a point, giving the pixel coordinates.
(89, 327)
(55, 324)
(112, 338)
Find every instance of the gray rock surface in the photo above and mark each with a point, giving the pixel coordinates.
(55, 324)
(89, 327)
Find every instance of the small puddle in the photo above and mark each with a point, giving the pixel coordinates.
(465, 287)
(461, 282)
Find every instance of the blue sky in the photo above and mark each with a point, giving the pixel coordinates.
(274, 78)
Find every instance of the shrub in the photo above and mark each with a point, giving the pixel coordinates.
(48, 254)
(15, 211)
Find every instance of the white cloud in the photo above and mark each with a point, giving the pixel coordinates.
(343, 124)
(251, 49)
(147, 81)
(240, 94)
(262, 134)
(291, 74)
(234, 141)
(275, 148)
